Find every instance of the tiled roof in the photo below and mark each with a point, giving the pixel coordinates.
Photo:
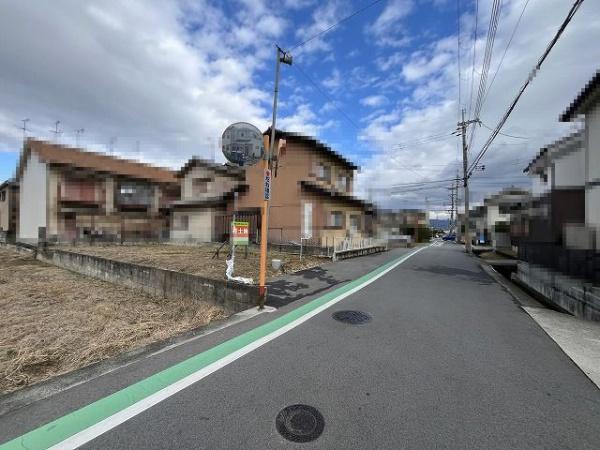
(332, 194)
(229, 171)
(547, 153)
(60, 154)
(314, 143)
(590, 94)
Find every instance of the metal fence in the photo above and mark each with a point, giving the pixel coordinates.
(222, 225)
(583, 264)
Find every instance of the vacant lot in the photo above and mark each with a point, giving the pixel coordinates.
(197, 259)
(54, 321)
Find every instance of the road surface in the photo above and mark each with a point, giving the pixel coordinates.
(447, 360)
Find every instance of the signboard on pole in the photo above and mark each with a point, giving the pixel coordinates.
(240, 233)
(242, 144)
(267, 184)
(307, 221)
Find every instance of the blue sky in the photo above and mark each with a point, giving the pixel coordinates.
(167, 78)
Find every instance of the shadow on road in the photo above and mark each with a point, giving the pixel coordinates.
(300, 285)
(478, 277)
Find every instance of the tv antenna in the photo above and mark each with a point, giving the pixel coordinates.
(24, 128)
(78, 134)
(57, 132)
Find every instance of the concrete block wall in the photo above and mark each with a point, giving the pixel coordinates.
(233, 297)
(568, 294)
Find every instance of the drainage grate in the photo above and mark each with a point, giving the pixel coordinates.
(352, 317)
(300, 423)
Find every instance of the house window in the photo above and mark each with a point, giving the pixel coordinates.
(342, 183)
(2, 196)
(336, 219)
(323, 172)
(200, 186)
(127, 189)
(182, 223)
(355, 222)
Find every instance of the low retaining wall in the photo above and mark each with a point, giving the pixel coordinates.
(351, 253)
(232, 296)
(570, 295)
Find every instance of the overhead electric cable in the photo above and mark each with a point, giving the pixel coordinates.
(474, 56)
(326, 30)
(504, 54)
(530, 78)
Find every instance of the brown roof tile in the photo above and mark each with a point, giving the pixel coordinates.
(59, 154)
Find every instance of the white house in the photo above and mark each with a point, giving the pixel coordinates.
(587, 105)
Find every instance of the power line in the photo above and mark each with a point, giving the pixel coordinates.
(352, 122)
(474, 53)
(504, 54)
(458, 53)
(485, 67)
(326, 30)
(530, 78)
(424, 139)
(504, 134)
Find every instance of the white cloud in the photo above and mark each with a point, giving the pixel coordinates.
(334, 81)
(373, 100)
(385, 29)
(303, 121)
(171, 75)
(323, 17)
(433, 110)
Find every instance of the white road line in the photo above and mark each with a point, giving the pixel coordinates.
(122, 416)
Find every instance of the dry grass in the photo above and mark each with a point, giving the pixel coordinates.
(197, 259)
(54, 321)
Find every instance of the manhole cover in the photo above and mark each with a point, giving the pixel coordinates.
(352, 317)
(300, 423)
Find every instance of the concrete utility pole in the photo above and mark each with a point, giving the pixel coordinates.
(463, 131)
(452, 198)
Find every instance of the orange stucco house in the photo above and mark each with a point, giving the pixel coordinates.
(311, 193)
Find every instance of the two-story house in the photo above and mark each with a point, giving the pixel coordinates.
(558, 189)
(560, 258)
(68, 193)
(207, 193)
(9, 208)
(311, 193)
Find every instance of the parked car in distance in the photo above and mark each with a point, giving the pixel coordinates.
(449, 237)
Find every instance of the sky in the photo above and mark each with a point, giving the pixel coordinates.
(160, 81)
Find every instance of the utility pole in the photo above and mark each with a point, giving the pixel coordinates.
(285, 58)
(452, 198)
(463, 131)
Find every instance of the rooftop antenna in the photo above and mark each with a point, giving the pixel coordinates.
(24, 128)
(111, 144)
(78, 133)
(56, 131)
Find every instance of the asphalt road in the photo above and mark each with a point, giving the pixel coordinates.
(447, 361)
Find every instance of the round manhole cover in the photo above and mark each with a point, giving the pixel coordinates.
(352, 317)
(300, 423)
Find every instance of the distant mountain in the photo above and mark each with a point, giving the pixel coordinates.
(442, 224)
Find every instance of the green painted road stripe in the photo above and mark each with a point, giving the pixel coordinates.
(66, 426)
